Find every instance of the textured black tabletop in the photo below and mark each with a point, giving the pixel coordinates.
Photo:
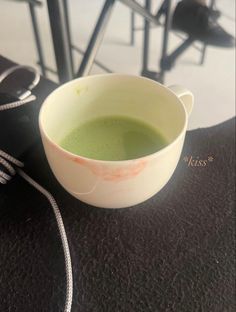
(173, 253)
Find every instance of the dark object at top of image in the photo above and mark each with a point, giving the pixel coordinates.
(200, 22)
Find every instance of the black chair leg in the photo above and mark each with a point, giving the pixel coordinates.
(167, 28)
(34, 21)
(67, 21)
(168, 61)
(146, 37)
(146, 72)
(132, 28)
(96, 38)
(203, 55)
(60, 38)
(162, 10)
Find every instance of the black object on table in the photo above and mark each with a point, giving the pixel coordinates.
(175, 252)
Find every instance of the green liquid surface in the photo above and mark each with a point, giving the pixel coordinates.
(113, 138)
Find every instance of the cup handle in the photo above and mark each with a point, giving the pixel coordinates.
(185, 96)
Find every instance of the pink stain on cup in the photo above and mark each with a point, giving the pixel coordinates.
(115, 174)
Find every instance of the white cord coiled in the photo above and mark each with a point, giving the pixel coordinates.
(12, 166)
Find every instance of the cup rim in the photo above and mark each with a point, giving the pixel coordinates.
(152, 155)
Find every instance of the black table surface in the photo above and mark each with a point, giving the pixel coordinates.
(174, 252)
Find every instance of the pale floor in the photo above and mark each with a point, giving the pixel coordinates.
(212, 84)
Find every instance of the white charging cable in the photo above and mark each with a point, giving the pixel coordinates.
(12, 166)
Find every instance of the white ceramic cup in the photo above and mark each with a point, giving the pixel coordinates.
(114, 184)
